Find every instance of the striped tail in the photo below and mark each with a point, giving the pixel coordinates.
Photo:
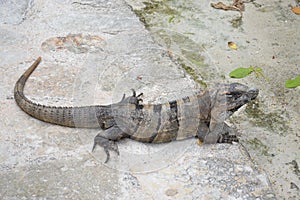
(82, 117)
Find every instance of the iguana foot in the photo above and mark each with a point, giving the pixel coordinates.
(222, 133)
(134, 99)
(107, 139)
(107, 145)
(226, 138)
(223, 138)
(228, 135)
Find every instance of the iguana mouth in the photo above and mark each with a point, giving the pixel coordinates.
(253, 92)
(238, 96)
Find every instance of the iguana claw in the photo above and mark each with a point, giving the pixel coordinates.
(107, 145)
(134, 99)
(226, 138)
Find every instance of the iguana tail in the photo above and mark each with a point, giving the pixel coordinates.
(84, 117)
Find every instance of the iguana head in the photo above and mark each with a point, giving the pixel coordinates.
(236, 95)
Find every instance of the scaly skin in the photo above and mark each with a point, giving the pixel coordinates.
(200, 115)
(81, 117)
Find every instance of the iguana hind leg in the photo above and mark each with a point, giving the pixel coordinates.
(107, 139)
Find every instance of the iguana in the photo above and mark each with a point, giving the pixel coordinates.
(201, 115)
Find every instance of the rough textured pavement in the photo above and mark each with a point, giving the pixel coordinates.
(92, 52)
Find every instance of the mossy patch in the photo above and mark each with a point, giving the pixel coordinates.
(272, 121)
(159, 17)
(188, 49)
(193, 74)
(153, 8)
(237, 22)
(259, 146)
(194, 57)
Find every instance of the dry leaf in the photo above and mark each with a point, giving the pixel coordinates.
(237, 5)
(232, 45)
(222, 6)
(296, 10)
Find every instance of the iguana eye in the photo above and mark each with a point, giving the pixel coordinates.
(237, 95)
(234, 95)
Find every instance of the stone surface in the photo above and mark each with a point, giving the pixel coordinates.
(94, 51)
(267, 36)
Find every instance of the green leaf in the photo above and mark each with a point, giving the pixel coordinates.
(241, 72)
(292, 83)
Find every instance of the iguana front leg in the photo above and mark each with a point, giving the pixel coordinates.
(220, 133)
(228, 135)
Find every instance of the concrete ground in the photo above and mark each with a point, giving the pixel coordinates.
(94, 51)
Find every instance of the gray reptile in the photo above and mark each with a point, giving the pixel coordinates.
(201, 115)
